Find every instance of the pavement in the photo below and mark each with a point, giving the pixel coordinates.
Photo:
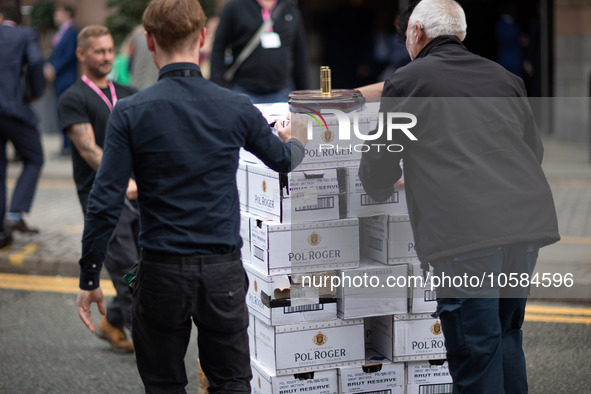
(57, 213)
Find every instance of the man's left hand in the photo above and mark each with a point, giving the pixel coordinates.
(131, 192)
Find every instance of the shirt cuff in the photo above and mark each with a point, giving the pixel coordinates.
(90, 278)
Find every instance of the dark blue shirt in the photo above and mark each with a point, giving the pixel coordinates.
(181, 138)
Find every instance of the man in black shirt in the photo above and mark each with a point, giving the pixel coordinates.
(84, 110)
(181, 138)
(278, 63)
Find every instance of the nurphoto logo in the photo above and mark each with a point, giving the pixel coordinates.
(389, 123)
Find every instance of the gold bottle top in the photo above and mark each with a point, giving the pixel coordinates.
(325, 81)
(301, 101)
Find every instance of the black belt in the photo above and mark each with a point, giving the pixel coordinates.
(191, 259)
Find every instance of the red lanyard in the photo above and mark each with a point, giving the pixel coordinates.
(100, 93)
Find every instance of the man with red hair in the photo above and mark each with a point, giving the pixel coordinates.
(181, 138)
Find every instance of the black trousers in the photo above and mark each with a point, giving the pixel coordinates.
(122, 254)
(170, 292)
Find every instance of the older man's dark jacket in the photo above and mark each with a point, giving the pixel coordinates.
(473, 178)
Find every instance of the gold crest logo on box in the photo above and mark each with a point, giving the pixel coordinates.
(256, 286)
(264, 186)
(320, 339)
(327, 136)
(436, 328)
(314, 239)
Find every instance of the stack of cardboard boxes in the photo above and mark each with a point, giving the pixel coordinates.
(311, 237)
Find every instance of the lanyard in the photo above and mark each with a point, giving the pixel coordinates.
(100, 93)
(266, 17)
(267, 14)
(60, 33)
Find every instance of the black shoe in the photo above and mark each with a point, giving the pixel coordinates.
(20, 225)
(5, 240)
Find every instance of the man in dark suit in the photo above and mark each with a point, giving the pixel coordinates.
(62, 68)
(21, 61)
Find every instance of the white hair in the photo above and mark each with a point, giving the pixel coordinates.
(439, 18)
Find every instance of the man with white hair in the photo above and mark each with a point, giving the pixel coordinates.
(479, 203)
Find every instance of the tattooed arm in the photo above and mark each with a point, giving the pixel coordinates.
(82, 136)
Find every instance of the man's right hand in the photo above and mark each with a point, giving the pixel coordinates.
(297, 128)
(84, 300)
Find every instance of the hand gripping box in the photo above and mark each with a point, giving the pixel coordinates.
(332, 142)
(408, 337)
(296, 197)
(360, 204)
(371, 290)
(271, 112)
(423, 298)
(377, 375)
(298, 348)
(277, 300)
(387, 239)
(428, 377)
(308, 247)
(317, 382)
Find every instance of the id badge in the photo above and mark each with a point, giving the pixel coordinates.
(270, 40)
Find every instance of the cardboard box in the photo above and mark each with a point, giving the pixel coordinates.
(291, 349)
(377, 375)
(387, 239)
(360, 204)
(249, 158)
(367, 332)
(269, 298)
(326, 148)
(266, 382)
(242, 184)
(426, 377)
(423, 299)
(408, 337)
(245, 219)
(365, 291)
(251, 335)
(300, 248)
(297, 197)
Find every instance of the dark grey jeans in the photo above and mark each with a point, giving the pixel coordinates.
(482, 323)
(210, 291)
